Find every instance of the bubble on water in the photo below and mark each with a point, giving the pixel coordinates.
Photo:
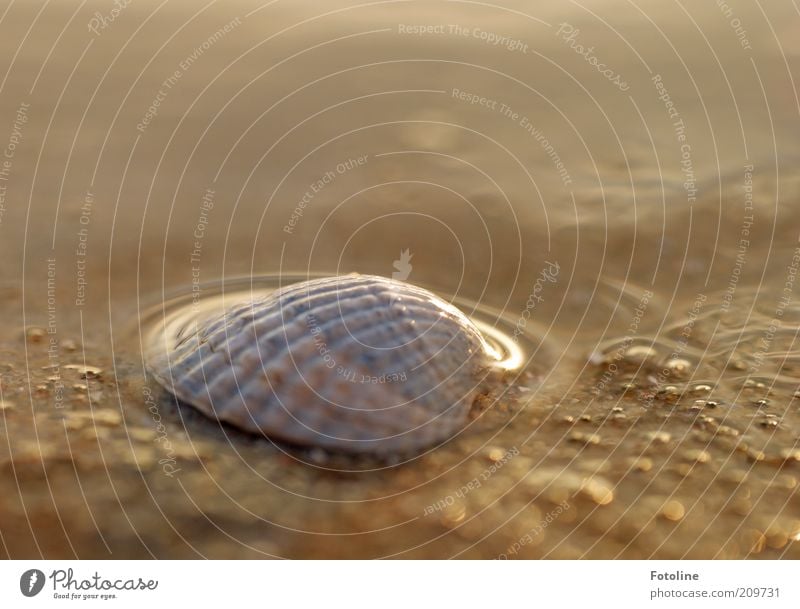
(585, 438)
(697, 455)
(776, 538)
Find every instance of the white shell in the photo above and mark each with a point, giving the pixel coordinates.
(355, 363)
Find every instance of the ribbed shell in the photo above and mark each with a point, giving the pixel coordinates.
(355, 363)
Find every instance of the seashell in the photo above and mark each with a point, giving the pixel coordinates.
(355, 363)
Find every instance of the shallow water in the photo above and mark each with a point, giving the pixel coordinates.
(179, 148)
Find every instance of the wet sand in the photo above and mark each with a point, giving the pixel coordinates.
(175, 147)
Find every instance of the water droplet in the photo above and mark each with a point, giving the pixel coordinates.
(679, 367)
(777, 540)
(598, 490)
(726, 430)
(737, 364)
(785, 481)
(670, 393)
(107, 417)
(737, 476)
(35, 334)
(585, 438)
(85, 372)
(453, 514)
(639, 354)
(141, 434)
(790, 454)
(659, 437)
(673, 510)
(95, 433)
(700, 456)
(643, 464)
(495, 454)
(697, 405)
